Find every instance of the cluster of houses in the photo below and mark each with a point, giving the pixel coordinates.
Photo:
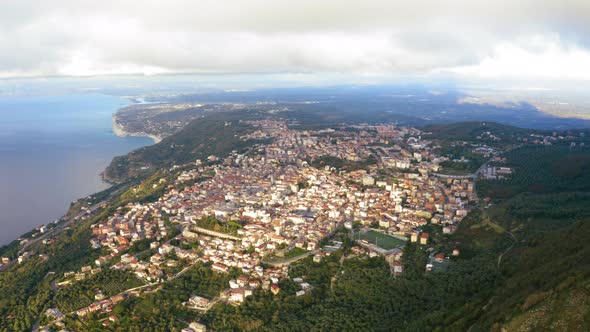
(540, 139)
(104, 305)
(71, 276)
(283, 203)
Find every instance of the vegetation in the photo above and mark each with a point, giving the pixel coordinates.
(470, 131)
(542, 169)
(295, 252)
(341, 164)
(161, 310)
(230, 227)
(82, 293)
(203, 137)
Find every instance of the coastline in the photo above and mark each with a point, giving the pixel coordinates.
(120, 131)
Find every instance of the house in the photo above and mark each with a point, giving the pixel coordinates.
(242, 280)
(424, 238)
(233, 284)
(197, 327)
(394, 255)
(236, 295)
(198, 302)
(456, 252)
(275, 289)
(414, 237)
(439, 257)
(449, 229)
(368, 181)
(219, 267)
(397, 269)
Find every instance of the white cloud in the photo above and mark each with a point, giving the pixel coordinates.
(500, 38)
(546, 60)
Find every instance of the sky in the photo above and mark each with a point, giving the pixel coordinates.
(471, 39)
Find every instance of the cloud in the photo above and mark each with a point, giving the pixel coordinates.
(476, 38)
(543, 58)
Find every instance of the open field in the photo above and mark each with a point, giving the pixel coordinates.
(384, 241)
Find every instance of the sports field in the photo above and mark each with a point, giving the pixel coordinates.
(384, 241)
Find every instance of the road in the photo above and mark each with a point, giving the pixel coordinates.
(60, 226)
(68, 221)
(507, 250)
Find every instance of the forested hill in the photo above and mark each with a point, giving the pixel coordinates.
(544, 264)
(468, 131)
(216, 134)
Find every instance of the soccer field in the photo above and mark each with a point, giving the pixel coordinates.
(382, 240)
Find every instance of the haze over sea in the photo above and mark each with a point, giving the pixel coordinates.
(52, 151)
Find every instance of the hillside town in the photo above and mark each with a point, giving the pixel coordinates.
(248, 211)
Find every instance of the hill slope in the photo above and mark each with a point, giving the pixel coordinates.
(545, 268)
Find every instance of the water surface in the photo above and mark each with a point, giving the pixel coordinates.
(52, 150)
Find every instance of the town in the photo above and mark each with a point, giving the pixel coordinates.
(258, 211)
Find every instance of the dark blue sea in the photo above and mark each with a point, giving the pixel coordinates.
(52, 151)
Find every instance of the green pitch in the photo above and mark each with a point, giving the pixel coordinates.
(384, 241)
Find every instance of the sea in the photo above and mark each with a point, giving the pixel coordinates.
(52, 151)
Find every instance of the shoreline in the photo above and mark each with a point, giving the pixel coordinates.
(120, 131)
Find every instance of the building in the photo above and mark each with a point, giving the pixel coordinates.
(424, 238)
(397, 269)
(198, 302)
(197, 327)
(275, 289)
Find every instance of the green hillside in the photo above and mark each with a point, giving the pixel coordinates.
(542, 169)
(216, 134)
(468, 131)
(545, 267)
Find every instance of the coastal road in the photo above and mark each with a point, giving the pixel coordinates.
(69, 221)
(61, 226)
